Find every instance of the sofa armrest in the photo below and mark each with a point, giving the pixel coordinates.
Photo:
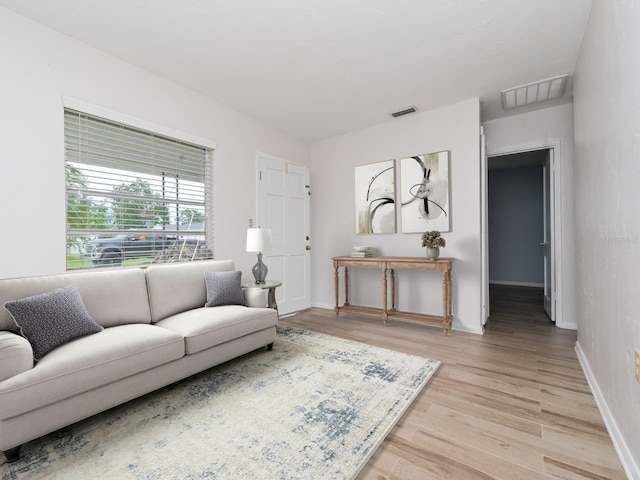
(255, 297)
(16, 355)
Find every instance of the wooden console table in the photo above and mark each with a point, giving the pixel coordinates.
(442, 265)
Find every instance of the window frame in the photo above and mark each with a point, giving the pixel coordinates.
(132, 123)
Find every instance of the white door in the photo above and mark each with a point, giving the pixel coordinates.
(547, 243)
(284, 207)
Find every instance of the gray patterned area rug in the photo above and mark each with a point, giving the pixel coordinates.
(316, 407)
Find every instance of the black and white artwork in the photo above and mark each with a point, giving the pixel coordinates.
(424, 193)
(375, 197)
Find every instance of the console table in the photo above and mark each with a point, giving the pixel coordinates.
(392, 264)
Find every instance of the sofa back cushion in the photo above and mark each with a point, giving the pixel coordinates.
(112, 297)
(179, 287)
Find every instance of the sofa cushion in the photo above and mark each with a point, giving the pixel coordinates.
(112, 297)
(223, 288)
(16, 355)
(89, 362)
(51, 319)
(180, 286)
(207, 327)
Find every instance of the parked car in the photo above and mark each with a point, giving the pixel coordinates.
(114, 250)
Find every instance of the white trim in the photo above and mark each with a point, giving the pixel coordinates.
(119, 117)
(323, 306)
(568, 326)
(484, 230)
(631, 468)
(556, 145)
(460, 327)
(516, 284)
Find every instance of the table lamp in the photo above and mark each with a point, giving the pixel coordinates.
(259, 240)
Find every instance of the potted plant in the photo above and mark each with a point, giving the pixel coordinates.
(433, 241)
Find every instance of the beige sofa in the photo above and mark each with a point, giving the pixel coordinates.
(156, 331)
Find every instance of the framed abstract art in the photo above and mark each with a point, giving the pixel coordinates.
(375, 197)
(424, 194)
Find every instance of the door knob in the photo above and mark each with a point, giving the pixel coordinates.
(307, 247)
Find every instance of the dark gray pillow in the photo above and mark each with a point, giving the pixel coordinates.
(51, 319)
(223, 288)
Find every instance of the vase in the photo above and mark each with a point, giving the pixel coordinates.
(433, 253)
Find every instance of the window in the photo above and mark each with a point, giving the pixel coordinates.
(133, 196)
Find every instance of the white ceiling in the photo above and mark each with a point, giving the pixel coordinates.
(318, 68)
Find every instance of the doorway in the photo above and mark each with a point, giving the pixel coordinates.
(283, 205)
(520, 213)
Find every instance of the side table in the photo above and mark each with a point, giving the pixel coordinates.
(269, 285)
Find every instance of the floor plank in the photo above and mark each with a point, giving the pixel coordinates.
(510, 404)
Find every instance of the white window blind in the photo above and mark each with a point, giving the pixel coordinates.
(133, 196)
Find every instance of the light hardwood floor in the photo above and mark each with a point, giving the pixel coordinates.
(510, 404)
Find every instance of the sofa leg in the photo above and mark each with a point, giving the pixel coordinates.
(12, 454)
(270, 347)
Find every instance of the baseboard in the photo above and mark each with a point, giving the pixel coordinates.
(568, 326)
(459, 327)
(631, 468)
(516, 284)
(325, 306)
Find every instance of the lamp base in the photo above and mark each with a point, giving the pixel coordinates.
(259, 270)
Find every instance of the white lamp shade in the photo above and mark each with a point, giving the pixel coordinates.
(258, 239)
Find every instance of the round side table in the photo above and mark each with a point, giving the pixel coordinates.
(269, 285)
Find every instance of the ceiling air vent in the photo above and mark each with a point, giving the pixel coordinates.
(539, 91)
(404, 111)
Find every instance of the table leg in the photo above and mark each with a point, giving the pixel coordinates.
(447, 317)
(384, 295)
(271, 298)
(393, 290)
(336, 283)
(346, 285)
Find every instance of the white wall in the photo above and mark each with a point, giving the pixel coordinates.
(535, 130)
(454, 128)
(39, 67)
(607, 140)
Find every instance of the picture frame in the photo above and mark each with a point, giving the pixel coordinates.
(375, 197)
(425, 192)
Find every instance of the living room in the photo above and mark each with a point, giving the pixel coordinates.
(43, 68)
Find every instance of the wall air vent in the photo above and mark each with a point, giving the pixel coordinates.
(533, 92)
(404, 111)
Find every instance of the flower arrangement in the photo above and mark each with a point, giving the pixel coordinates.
(433, 239)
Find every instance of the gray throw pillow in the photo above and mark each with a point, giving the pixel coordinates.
(51, 319)
(223, 288)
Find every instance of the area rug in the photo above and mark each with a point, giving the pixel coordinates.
(316, 407)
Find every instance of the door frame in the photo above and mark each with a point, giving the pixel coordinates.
(548, 244)
(282, 294)
(485, 309)
(556, 146)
